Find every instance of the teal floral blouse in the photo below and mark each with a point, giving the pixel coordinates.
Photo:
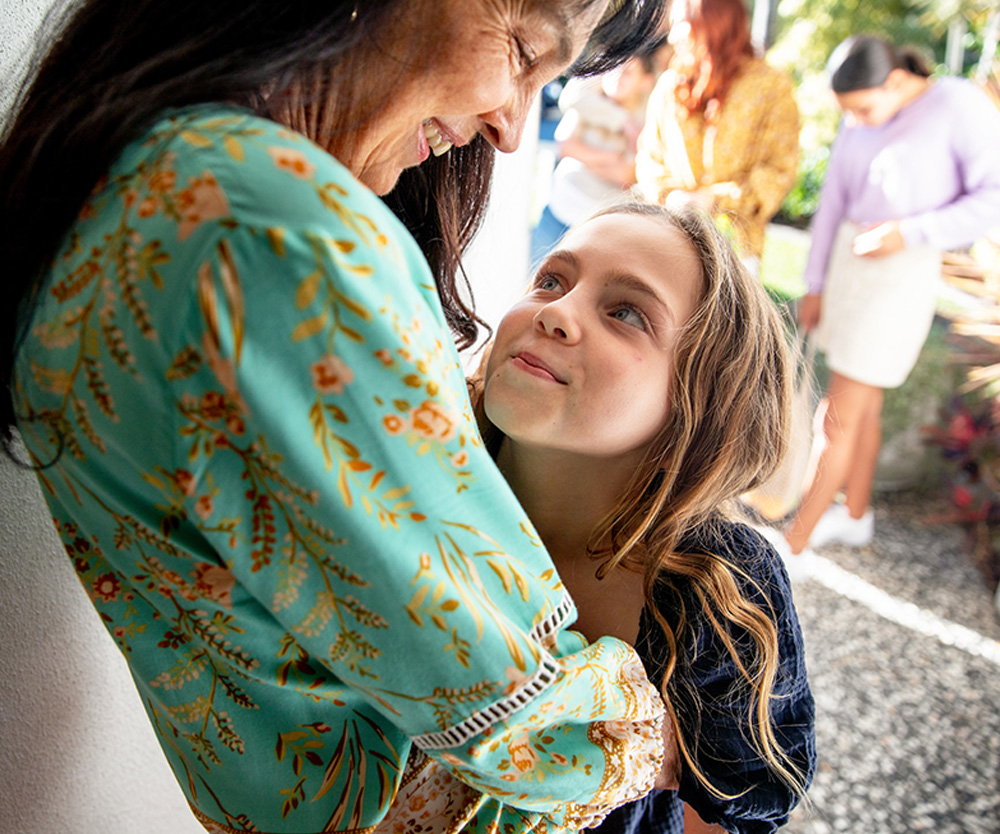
(270, 483)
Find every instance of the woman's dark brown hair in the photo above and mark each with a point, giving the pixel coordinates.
(863, 62)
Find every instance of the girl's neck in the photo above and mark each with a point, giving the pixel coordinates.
(565, 495)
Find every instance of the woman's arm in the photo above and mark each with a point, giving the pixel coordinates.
(693, 824)
(382, 537)
(617, 168)
(975, 122)
(829, 214)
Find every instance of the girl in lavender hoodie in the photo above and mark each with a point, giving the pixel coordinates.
(914, 170)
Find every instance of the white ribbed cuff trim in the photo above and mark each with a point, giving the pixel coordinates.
(545, 675)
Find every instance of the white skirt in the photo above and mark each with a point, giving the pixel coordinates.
(877, 312)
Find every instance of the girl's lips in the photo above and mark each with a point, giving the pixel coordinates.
(529, 363)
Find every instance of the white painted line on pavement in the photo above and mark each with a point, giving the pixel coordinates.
(849, 585)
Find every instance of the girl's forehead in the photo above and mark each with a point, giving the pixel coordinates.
(607, 233)
(649, 249)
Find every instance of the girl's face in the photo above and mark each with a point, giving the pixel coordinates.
(485, 63)
(875, 106)
(583, 362)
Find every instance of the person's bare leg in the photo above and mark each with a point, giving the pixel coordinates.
(862, 473)
(849, 403)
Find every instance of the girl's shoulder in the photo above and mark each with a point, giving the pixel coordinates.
(753, 563)
(754, 560)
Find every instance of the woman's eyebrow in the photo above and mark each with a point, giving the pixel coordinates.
(556, 16)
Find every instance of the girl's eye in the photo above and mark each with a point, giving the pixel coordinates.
(549, 283)
(627, 314)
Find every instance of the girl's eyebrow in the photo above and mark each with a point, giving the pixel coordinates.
(628, 281)
(619, 279)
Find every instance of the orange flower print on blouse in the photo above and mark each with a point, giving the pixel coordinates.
(330, 375)
(434, 422)
(201, 201)
(268, 478)
(293, 161)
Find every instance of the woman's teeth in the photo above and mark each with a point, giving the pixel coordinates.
(437, 143)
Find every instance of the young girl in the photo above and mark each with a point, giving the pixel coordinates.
(914, 170)
(637, 389)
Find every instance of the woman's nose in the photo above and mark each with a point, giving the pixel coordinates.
(504, 126)
(558, 320)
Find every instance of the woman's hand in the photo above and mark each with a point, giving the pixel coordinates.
(693, 824)
(810, 307)
(879, 241)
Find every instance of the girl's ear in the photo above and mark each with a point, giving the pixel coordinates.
(895, 80)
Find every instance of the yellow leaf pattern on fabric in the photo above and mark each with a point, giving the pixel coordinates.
(261, 438)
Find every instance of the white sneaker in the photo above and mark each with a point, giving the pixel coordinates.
(794, 562)
(837, 525)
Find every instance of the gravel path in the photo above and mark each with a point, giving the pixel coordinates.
(903, 649)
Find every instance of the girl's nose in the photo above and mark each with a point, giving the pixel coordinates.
(558, 320)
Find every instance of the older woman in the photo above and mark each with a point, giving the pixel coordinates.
(234, 378)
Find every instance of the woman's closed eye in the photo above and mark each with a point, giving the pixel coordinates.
(527, 58)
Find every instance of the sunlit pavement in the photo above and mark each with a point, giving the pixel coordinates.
(903, 650)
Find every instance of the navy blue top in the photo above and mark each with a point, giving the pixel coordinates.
(705, 675)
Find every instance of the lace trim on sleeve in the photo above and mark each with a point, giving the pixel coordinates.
(542, 679)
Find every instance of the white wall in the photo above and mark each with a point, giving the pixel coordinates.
(76, 750)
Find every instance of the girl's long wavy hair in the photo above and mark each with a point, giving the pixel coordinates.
(714, 54)
(725, 434)
(104, 70)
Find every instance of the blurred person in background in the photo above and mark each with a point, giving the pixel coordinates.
(722, 125)
(596, 138)
(914, 170)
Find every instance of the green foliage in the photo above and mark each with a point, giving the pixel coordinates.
(803, 199)
(783, 264)
(814, 27)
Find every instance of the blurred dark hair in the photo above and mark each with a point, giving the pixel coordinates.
(863, 62)
(104, 70)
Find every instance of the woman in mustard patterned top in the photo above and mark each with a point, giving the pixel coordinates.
(232, 371)
(722, 126)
